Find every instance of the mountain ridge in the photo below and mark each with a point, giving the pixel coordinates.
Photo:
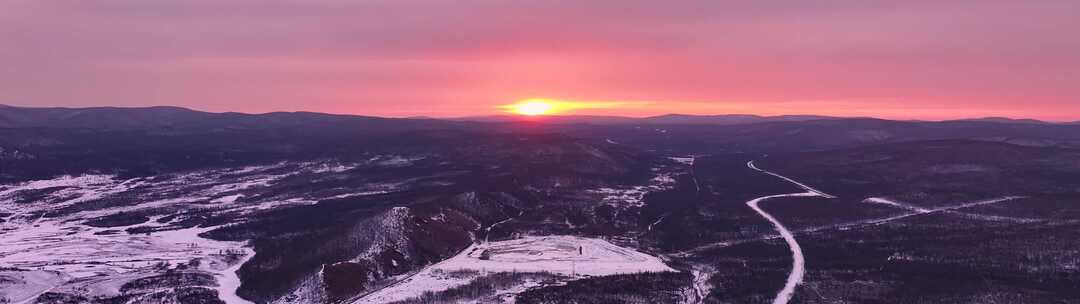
(171, 116)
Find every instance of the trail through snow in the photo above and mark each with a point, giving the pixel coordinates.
(798, 264)
(952, 209)
(229, 280)
(859, 223)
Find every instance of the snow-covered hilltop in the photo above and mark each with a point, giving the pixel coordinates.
(561, 258)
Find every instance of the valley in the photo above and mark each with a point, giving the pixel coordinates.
(456, 212)
(539, 152)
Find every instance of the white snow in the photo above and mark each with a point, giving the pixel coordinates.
(395, 160)
(228, 199)
(905, 206)
(332, 168)
(952, 209)
(24, 286)
(78, 253)
(361, 193)
(634, 196)
(551, 254)
(96, 265)
(798, 265)
(509, 295)
(701, 286)
(61, 181)
(228, 281)
(684, 160)
(801, 185)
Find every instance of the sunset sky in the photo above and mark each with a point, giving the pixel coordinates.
(892, 59)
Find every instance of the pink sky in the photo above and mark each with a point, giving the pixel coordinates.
(893, 59)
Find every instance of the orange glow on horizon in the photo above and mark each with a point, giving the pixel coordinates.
(887, 108)
(545, 106)
(533, 107)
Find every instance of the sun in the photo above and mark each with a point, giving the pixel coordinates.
(550, 106)
(532, 108)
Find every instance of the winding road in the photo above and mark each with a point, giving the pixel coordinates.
(795, 277)
(798, 265)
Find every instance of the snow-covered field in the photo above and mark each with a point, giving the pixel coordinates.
(569, 256)
(76, 253)
(46, 228)
(32, 283)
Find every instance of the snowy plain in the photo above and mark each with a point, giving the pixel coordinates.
(50, 244)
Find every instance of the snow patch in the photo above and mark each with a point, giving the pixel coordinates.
(689, 161)
(634, 196)
(571, 256)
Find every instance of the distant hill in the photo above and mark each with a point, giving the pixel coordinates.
(1006, 120)
(731, 119)
(717, 120)
(100, 117)
(176, 118)
(41, 142)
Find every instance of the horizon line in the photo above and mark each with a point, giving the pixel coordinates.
(541, 117)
